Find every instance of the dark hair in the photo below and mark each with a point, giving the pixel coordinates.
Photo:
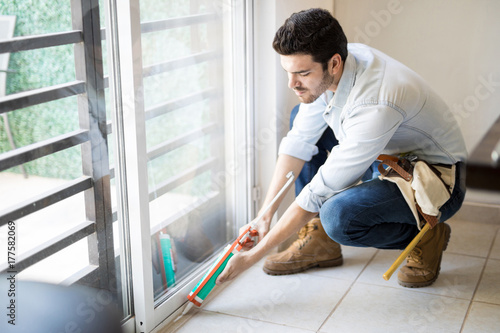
(313, 31)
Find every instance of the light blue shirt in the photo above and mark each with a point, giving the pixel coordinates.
(380, 107)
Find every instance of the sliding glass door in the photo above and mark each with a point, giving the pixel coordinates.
(182, 127)
(123, 144)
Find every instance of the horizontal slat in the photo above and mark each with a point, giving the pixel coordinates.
(171, 23)
(181, 178)
(87, 276)
(52, 246)
(179, 141)
(25, 43)
(170, 65)
(169, 106)
(32, 152)
(210, 200)
(177, 22)
(42, 95)
(45, 199)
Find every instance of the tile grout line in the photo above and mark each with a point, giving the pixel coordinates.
(347, 291)
(242, 317)
(255, 319)
(488, 303)
(414, 290)
(479, 281)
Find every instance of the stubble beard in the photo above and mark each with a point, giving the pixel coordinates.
(326, 82)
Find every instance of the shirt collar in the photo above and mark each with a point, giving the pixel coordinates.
(345, 84)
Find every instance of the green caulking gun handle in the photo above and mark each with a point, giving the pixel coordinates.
(211, 283)
(207, 283)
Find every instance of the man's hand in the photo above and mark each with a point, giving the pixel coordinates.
(241, 261)
(262, 228)
(292, 220)
(238, 263)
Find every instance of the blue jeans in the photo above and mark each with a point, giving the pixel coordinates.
(374, 213)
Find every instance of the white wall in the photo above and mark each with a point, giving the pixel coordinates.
(453, 44)
(273, 99)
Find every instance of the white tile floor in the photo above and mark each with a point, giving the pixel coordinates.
(355, 297)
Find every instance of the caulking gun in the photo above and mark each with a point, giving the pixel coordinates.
(207, 283)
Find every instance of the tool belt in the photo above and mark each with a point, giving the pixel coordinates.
(425, 187)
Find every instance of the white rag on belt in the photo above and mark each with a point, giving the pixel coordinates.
(426, 188)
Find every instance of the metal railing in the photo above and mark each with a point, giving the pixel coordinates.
(94, 183)
(91, 137)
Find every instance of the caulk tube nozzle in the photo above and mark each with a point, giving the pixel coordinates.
(187, 308)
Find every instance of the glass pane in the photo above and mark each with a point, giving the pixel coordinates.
(189, 216)
(164, 87)
(153, 10)
(183, 41)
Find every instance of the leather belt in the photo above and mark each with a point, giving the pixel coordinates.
(403, 168)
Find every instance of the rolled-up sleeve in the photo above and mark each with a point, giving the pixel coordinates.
(308, 126)
(367, 131)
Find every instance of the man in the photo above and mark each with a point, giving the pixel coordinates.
(374, 105)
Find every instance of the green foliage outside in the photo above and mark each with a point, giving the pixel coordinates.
(37, 69)
(46, 67)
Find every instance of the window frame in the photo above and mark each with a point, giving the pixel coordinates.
(148, 314)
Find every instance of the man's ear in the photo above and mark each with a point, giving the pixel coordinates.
(334, 64)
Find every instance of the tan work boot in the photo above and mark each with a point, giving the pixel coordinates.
(424, 262)
(313, 248)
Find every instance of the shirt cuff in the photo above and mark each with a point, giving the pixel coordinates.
(310, 201)
(299, 149)
(313, 195)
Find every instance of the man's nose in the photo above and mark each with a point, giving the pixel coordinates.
(292, 81)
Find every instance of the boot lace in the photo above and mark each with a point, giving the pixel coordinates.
(416, 255)
(304, 236)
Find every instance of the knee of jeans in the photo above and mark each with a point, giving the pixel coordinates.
(335, 218)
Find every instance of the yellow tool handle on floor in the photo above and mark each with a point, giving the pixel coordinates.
(387, 275)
